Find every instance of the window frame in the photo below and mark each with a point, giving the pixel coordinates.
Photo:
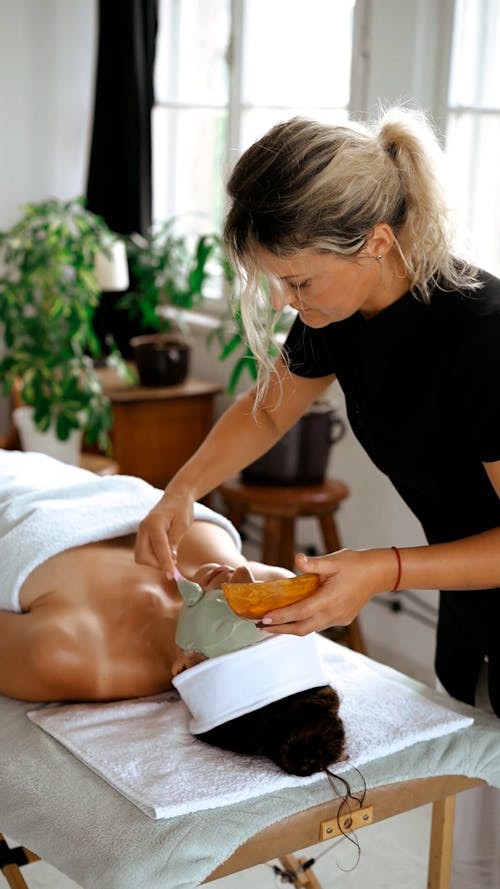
(216, 305)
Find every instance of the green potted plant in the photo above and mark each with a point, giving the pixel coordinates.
(169, 271)
(48, 295)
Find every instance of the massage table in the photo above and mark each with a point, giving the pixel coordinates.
(55, 806)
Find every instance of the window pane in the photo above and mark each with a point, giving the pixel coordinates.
(188, 158)
(193, 37)
(257, 121)
(475, 73)
(297, 53)
(472, 150)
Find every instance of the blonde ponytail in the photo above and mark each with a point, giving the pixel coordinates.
(426, 237)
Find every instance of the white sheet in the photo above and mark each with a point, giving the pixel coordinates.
(144, 749)
(47, 506)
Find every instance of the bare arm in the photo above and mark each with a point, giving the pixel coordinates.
(238, 437)
(205, 543)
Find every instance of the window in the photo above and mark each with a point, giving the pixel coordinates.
(226, 71)
(473, 132)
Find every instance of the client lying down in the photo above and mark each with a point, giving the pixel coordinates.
(80, 620)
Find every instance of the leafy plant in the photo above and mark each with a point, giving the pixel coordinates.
(231, 338)
(168, 272)
(48, 296)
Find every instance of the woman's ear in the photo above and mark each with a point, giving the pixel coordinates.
(380, 241)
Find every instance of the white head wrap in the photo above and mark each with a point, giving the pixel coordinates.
(222, 688)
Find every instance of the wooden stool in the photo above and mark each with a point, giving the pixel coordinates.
(11, 860)
(281, 507)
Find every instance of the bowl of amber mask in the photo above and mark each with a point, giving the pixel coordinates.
(254, 600)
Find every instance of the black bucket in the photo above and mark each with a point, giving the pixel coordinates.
(300, 457)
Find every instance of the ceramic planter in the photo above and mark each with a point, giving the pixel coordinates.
(32, 439)
(162, 359)
(300, 457)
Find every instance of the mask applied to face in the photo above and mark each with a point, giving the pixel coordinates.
(208, 625)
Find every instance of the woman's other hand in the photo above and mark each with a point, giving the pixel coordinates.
(160, 531)
(349, 579)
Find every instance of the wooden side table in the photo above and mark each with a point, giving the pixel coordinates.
(155, 430)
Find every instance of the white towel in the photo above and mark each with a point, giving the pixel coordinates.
(144, 748)
(47, 507)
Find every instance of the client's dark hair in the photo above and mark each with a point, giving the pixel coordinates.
(302, 733)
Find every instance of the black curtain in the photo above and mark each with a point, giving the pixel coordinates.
(119, 176)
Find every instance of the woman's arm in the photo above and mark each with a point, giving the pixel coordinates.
(351, 578)
(239, 437)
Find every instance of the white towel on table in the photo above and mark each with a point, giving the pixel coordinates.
(144, 749)
(47, 506)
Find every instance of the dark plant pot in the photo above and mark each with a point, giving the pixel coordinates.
(162, 359)
(300, 457)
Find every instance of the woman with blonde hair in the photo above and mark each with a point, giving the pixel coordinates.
(349, 226)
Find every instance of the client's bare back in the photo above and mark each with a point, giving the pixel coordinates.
(98, 626)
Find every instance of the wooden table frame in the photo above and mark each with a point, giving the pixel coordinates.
(309, 827)
(306, 828)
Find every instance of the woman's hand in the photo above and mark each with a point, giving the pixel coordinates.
(159, 533)
(349, 579)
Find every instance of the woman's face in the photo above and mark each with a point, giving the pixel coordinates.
(324, 288)
(209, 625)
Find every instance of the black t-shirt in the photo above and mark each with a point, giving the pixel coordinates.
(422, 388)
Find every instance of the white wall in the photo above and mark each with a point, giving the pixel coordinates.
(47, 69)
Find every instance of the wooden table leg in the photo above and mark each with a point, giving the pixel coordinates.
(441, 848)
(14, 877)
(301, 879)
(11, 861)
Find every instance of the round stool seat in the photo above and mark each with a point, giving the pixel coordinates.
(290, 502)
(280, 507)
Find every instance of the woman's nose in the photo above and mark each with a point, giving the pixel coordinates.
(280, 298)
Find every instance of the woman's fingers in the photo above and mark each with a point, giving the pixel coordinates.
(313, 613)
(157, 539)
(325, 566)
(344, 589)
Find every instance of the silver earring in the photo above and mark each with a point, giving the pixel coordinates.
(379, 257)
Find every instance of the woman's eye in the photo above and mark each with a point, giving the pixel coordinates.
(299, 285)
